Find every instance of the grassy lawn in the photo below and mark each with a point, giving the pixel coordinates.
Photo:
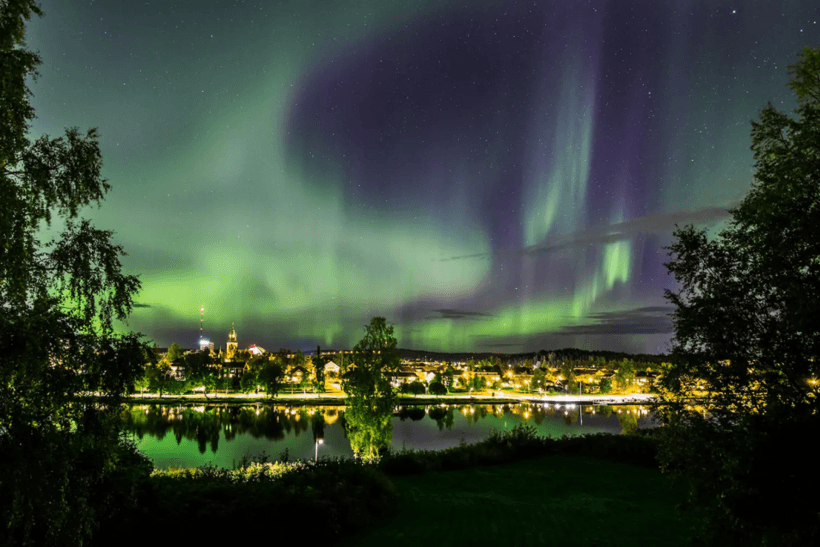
(554, 500)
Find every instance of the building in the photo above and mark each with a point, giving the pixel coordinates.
(256, 351)
(232, 345)
(397, 379)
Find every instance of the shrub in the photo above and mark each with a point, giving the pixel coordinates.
(416, 388)
(523, 442)
(437, 388)
(191, 504)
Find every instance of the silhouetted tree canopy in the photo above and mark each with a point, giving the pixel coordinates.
(63, 465)
(742, 381)
(370, 397)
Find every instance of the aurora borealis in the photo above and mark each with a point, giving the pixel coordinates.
(487, 175)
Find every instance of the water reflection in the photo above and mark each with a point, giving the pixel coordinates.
(369, 429)
(368, 433)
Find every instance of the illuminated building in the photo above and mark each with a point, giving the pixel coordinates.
(232, 345)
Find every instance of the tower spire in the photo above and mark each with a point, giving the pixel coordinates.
(232, 345)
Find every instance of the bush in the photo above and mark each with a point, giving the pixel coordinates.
(416, 388)
(331, 497)
(520, 442)
(437, 388)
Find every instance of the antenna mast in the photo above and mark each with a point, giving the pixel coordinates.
(201, 321)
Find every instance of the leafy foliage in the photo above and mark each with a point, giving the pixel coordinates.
(63, 465)
(523, 442)
(747, 339)
(344, 495)
(416, 388)
(437, 388)
(319, 371)
(175, 352)
(625, 375)
(271, 375)
(370, 396)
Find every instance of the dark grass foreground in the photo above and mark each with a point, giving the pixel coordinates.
(551, 500)
(514, 487)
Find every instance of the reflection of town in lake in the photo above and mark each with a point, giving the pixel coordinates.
(195, 435)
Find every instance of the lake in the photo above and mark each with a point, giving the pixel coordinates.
(191, 436)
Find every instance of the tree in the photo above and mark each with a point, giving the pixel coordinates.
(415, 388)
(449, 375)
(437, 388)
(175, 386)
(158, 376)
(625, 375)
(605, 385)
(568, 373)
(249, 379)
(741, 384)
(376, 359)
(319, 371)
(241, 356)
(198, 370)
(370, 397)
(478, 382)
(141, 383)
(64, 465)
(175, 352)
(271, 375)
(539, 379)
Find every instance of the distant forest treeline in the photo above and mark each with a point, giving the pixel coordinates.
(560, 354)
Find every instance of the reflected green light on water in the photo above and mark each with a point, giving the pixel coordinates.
(191, 436)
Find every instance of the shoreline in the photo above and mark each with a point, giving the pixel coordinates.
(339, 399)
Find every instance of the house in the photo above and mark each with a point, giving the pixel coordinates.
(645, 380)
(297, 374)
(178, 370)
(398, 379)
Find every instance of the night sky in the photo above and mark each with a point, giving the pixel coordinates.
(488, 176)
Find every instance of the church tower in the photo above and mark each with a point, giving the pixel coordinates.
(232, 345)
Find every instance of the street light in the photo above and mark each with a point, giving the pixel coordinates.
(316, 452)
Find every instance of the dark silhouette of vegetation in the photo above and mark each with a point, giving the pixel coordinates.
(414, 388)
(64, 467)
(370, 397)
(319, 371)
(437, 388)
(343, 494)
(521, 442)
(175, 352)
(271, 375)
(742, 382)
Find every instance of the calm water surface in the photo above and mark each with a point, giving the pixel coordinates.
(191, 436)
